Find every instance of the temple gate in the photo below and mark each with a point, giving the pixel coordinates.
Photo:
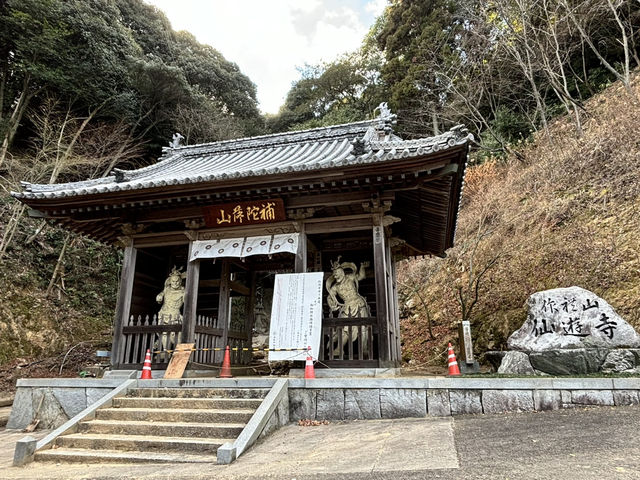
(206, 228)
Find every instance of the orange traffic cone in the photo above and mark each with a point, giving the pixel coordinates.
(225, 371)
(146, 368)
(453, 363)
(309, 372)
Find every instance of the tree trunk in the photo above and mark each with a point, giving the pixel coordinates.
(58, 266)
(16, 116)
(12, 226)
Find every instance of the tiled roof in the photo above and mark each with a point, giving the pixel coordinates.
(308, 150)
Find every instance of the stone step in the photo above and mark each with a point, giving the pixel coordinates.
(153, 429)
(140, 443)
(80, 455)
(175, 415)
(187, 403)
(199, 392)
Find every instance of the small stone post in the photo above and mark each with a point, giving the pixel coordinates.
(468, 363)
(25, 449)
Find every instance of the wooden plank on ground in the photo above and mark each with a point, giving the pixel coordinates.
(179, 360)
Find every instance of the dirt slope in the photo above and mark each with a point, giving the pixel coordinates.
(564, 210)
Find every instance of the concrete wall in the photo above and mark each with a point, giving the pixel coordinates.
(55, 400)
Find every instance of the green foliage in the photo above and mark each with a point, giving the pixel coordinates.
(502, 67)
(419, 40)
(121, 57)
(74, 48)
(507, 127)
(342, 91)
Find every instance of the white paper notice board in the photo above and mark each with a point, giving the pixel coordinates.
(296, 315)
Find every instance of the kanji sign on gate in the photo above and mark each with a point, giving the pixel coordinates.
(244, 213)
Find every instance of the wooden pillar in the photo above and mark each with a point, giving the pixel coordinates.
(301, 254)
(393, 331)
(190, 299)
(396, 312)
(224, 304)
(123, 306)
(250, 316)
(382, 304)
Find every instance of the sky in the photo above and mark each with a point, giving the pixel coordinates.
(269, 39)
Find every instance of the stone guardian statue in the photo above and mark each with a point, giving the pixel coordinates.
(172, 299)
(344, 298)
(342, 287)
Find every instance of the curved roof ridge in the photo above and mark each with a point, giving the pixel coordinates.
(259, 160)
(294, 133)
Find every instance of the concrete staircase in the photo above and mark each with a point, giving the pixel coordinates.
(159, 425)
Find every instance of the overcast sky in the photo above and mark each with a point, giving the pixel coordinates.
(268, 39)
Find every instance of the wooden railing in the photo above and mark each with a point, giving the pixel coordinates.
(209, 335)
(349, 340)
(143, 332)
(240, 340)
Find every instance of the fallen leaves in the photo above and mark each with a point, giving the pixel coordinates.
(306, 422)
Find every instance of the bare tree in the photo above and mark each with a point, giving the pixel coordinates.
(69, 146)
(473, 269)
(513, 30)
(587, 12)
(417, 280)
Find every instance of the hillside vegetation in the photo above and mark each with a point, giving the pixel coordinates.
(560, 211)
(86, 86)
(89, 85)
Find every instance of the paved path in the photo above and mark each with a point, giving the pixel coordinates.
(580, 443)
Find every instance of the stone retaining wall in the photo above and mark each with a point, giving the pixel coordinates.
(55, 400)
(349, 398)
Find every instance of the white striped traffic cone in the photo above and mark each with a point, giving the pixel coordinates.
(309, 372)
(453, 363)
(146, 368)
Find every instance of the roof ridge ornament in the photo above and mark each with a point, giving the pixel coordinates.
(386, 121)
(460, 134)
(121, 175)
(359, 146)
(176, 140)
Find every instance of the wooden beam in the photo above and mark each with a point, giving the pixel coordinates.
(161, 240)
(332, 199)
(247, 231)
(123, 306)
(392, 303)
(190, 299)
(396, 310)
(239, 288)
(338, 224)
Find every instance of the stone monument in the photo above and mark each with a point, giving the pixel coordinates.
(571, 331)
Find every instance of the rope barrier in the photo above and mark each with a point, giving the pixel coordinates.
(233, 349)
